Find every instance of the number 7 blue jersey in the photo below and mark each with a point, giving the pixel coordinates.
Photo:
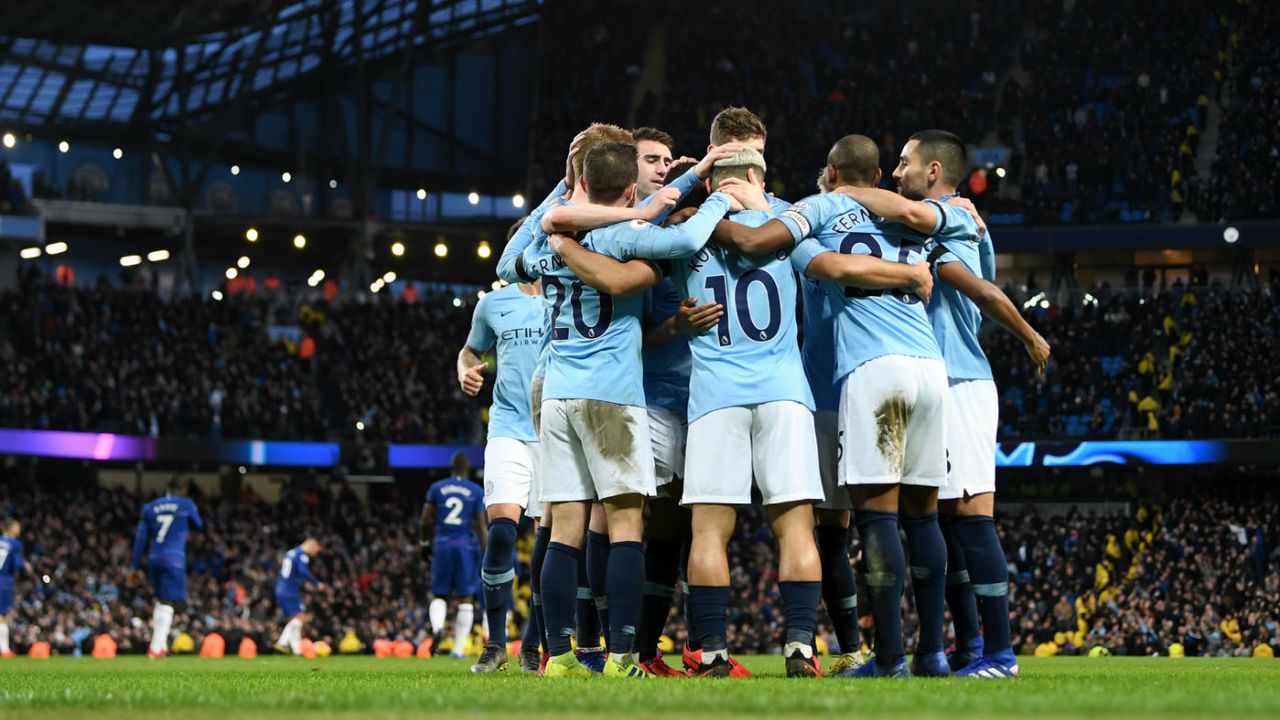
(751, 356)
(870, 323)
(163, 526)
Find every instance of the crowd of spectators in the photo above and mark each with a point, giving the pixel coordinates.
(1170, 363)
(1101, 104)
(1174, 363)
(1245, 181)
(13, 198)
(1195, 568)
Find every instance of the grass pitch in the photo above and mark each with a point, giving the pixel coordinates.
(368, 688)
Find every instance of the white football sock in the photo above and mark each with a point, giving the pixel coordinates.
(161, 621)
(462, 626)
(4, 637)
(435, 614)
(295, 635)
(286, 635)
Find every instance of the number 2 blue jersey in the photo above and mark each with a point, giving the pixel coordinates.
(666, 367)
(751, 356)
(295, 569)
(457, 502)
(595, 337)
(871, 323)
(512, 320)
(10, 561)
(955, 318)
(163, 526)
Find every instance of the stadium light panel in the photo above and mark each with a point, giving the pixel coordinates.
(243, 262)
(55, 248)
(422, 193)
(517, 200)
(10, 140)
(299, 241)
(231, 273)
(397, 248)
(286, 176)
(483, 250)
(117, 153)
(1000, 172)
(473, 197)
(216, 295)
(29, 253)
(360, 425)
(389, 277)
(333, 184)
(441, 249)
(130, 260)
(64, 147)
(235, 169)
(457, 302)
(251, 234)
(1231, 235)
(158, 255)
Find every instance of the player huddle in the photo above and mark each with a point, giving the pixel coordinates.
(648, 354)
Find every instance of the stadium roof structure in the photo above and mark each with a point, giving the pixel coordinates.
(71, 61)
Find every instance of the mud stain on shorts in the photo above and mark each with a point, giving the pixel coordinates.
(891, 430)
(612, 431)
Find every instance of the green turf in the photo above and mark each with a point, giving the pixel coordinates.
(364, 687)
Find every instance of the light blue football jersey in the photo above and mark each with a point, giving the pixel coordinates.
(955, 318)
(666, 367)
(596, 337)
(870, 323)
(513, 321)
(751, 356)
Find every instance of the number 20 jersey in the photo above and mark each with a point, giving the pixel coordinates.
(751, 356)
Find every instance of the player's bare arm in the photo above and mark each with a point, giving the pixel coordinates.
(771, 236)
(915, 214)
(471, 367)
(577, 218)
(602, 272)
(425, 523)
(993, 303)
(872, 273)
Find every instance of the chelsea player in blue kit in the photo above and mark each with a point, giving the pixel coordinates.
(594, 424)
(893, 382)
(452, 532)
(295, 571)
(10, 565)
(930, 166)
(511, 319)
(162, 536)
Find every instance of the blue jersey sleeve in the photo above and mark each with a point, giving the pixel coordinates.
(481, 336)
(808, 216)
(139, 544)
(805, 252)
(646, 240)
(305, 569)
(196, 521)
(510, 267)
(685, 184)
(953, 223)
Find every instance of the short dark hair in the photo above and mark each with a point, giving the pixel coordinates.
(655, 135)
(947, 149)
(176, 483)
(459, 463)
(856, 158)
(736, 123)
(609, 170)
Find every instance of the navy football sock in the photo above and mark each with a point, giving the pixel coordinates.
(625, 583)
(541, 539)
(839, 587)
(710, 604)
(989, 572)
(497, 572)
(597, 576)
(589, 629)
(661, 570)
(928, 577)
(960, 600)
(800, 603)
(559, 574)
(886, 568)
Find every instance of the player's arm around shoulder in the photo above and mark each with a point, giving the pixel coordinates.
(602, 272)
(993, 303)
(919, 215)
